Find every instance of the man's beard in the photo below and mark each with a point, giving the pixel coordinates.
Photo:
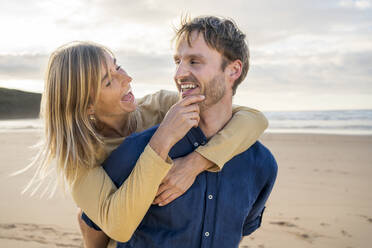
(213, 91)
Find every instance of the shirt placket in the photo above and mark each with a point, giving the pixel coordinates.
(210, 210)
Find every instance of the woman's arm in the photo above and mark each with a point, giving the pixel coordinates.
(118, 212)
(242, 131)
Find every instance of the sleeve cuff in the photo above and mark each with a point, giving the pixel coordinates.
(203, 151)
(89, 222)
(154, 158)
(214, 168)
(252, 226)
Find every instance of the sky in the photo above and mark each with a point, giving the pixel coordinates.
(305, 55)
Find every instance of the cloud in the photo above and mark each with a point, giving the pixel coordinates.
(321, 73)
(147, 67)
(297, 46)
(26, 66)
(358, 4)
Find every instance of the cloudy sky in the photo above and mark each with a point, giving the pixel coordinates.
(305, 55)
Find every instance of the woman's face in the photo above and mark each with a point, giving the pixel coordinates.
(116, 97)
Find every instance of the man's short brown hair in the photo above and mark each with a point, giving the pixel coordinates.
(220, 34)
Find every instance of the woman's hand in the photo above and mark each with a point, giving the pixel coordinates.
(180, 177)
(179, 119)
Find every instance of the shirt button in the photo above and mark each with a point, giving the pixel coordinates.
(196, 144)
(210, 197)
(206, 234)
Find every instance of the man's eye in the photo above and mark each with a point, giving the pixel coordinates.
(108, 83)
(118, 67)
(194, 62)
(177, 62)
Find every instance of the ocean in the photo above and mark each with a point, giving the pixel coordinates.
(357, 122)
(329, 122)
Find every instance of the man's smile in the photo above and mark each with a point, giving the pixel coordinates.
(188, 89)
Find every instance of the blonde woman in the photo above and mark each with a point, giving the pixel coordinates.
(89, 108)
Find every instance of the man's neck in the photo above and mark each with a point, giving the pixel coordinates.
(215, 117)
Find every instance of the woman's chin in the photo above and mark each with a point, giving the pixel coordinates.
(129, 107)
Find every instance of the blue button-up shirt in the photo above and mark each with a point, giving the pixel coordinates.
(217, 210)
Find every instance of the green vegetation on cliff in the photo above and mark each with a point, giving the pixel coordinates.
(19, 104)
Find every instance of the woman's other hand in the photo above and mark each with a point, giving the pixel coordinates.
(180, 177)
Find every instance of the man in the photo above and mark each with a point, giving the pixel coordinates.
(212, 59)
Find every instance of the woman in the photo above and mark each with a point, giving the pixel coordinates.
(88, 109)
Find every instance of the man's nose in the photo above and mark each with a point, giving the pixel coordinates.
(181, 71)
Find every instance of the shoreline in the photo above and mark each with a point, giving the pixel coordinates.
(267, 132)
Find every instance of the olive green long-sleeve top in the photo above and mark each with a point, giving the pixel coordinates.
(118, 211)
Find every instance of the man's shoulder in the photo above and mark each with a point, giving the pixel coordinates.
(131, 146)
(260, 156)
(144, 135)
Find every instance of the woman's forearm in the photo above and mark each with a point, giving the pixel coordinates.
(241, 132)
(118, 212)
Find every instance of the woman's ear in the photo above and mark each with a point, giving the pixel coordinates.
(90, 109)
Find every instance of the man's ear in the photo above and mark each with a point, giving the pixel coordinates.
(234, 70)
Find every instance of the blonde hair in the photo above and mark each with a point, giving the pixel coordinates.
(72, 84)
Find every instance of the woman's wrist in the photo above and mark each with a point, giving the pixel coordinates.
(199, 163)
(161, 144)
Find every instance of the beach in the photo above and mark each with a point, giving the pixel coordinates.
(321, 197)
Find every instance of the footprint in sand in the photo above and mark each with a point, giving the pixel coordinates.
(7, 226)
(344, 233)
(283, 223)
(300, 232)
(308, 237)
(367, 218)
(324, 224)
(43, 234)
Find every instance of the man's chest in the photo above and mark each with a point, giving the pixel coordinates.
(216, 205)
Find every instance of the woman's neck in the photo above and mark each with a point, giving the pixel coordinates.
(115, 126)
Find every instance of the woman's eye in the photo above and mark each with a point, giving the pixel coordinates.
(108, 84)
(118, 67)
(194, 62)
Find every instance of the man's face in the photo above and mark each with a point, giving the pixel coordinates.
(199, 71)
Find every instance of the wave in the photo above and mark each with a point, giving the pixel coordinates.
(333, 121)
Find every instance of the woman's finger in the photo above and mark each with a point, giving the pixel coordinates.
(170, 199)
(192, 108)
(191, 100)
(163, 196)
(162, 187)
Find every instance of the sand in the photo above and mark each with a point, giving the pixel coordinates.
(321, 197)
